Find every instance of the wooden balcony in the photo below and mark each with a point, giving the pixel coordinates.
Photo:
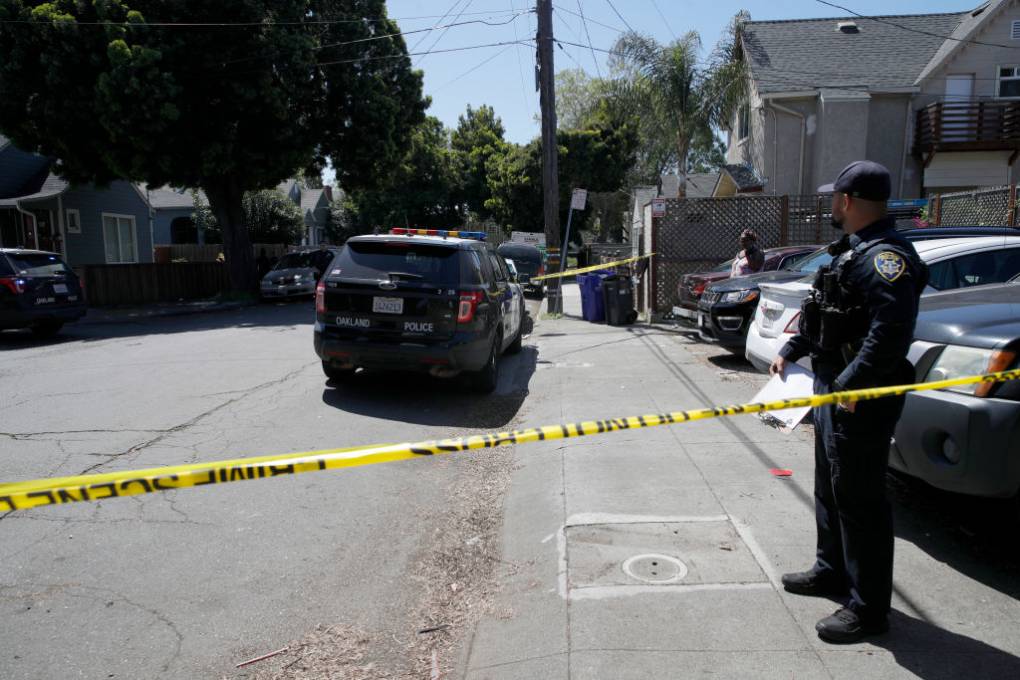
(967, 126)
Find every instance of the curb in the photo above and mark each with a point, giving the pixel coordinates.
(163, 313)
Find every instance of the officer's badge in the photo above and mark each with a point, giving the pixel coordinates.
(890, 266)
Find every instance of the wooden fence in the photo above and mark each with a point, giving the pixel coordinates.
(136, 284)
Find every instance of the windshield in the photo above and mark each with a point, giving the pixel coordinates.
(813, 262)
(315, 259)
(391, 259)
(38, 264)
(723, 267)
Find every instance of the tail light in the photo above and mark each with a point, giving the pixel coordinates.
(469, 301)
(794, 325)
(699, 288)
(13, 284)
(320, 297)
(1001, 360)
(541, 270)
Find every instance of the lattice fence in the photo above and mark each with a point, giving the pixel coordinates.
(986, 207)
(698, 233)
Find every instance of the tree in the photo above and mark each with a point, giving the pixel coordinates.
(477, 137)
(421, 189)
(595, 159)
(269, 216)
(225, 109)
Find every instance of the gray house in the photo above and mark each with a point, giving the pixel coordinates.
(315, 207)
(86, 224)
(172, 211)
(933, 97)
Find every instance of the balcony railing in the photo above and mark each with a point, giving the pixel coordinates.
(968, 126)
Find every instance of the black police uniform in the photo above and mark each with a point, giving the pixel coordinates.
(859, 338)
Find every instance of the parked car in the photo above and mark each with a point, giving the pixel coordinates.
(964, 439)
(418, 300)
(297, 273)
(727, 307)
(529, 262)
(38, 291)
(692, 286)
(953, 263)
(928, 233)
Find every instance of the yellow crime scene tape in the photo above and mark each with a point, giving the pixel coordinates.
(56, 491)
(593, 268)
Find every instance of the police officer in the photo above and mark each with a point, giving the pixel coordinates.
(856, 325)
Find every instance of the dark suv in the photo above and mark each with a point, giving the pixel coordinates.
(38, 291)
(441, 302)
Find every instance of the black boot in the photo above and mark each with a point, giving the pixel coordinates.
(809, 583)
(845, 626)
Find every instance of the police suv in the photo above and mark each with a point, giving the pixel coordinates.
(429, 300)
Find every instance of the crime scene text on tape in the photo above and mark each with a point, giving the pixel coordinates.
(57, 491)
(593, 268)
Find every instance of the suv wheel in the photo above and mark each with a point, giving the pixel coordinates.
(485, 380)
(337, 374)
(47, 329)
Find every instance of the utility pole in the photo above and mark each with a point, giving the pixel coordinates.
(550, 156)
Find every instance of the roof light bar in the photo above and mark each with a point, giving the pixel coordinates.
(444, 233)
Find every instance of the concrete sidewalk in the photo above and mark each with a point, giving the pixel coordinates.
(656, 553)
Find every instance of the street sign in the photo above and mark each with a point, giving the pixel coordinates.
(658, 207)
(529, 237)
(908, 203)
(579, 199)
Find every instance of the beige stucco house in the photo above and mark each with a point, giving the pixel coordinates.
(934, 97)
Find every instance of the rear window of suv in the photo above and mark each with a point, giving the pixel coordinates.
(439, 265)
(37, 264)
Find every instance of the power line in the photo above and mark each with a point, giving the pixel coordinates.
(584, 23)
(424, 37)
(664, 20)
(474, 68)
(445, 31)
(910, 29)
(520, 64)
(597, 23)
(617, 12)
(238, 24)
(413, 54)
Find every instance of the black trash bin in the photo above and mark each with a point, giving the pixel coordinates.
(618, 294)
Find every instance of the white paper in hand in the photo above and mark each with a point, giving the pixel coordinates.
(798, 382)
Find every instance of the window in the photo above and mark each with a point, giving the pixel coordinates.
(1008, 85)
(119, 237)
(744, 122)
(498, 268)
(73, 222)
(975, 269)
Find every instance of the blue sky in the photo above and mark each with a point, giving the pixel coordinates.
(503, 77)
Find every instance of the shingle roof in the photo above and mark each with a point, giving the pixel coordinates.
(743, 176)
(310, 198)
(45, 186)
(166, 197)
(807, 54)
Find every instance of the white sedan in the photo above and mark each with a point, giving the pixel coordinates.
(953, 263)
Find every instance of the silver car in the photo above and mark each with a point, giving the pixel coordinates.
(297, 273)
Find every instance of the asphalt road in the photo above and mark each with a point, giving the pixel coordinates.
(187, 584)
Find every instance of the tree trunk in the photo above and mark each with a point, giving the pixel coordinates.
(225, 202)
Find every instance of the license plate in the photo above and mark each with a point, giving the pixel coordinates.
(701, 320)
(59, 288)
(388, 305)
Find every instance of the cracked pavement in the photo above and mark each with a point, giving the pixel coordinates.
(189, 583)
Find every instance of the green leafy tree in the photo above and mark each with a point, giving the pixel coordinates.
(420, 190)
(596, 159)
(269, 216)
(477, 138)
(228, 110)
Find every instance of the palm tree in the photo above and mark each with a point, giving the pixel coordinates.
(681, 100)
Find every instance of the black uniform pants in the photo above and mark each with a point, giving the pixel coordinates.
(853, 515)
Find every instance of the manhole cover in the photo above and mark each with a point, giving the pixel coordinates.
(655, 568)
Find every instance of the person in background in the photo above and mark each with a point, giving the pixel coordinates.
(751, 258)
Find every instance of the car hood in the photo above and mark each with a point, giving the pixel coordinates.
(754, 280)
(984, 316)
(289, 273)
(707, 276)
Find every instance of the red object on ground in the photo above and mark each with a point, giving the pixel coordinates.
(780, 472)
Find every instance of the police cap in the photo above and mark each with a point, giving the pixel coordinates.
(866, 180)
